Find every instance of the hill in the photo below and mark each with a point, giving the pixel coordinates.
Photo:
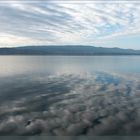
(66, 50)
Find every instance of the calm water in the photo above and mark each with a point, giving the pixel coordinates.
(69, 95)
(14, 65)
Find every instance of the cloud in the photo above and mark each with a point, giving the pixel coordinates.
(71, 105)
(64, 23)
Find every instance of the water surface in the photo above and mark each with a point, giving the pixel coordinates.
(69, 95)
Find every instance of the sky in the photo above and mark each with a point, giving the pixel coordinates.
(98, 23)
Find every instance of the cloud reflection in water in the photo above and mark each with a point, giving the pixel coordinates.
(68, 104)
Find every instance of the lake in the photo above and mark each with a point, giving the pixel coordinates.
(69, 95)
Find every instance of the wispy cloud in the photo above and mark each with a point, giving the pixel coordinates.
(66, 23)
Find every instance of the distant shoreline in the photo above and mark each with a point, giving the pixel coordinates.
(68, 55)
(68, 50)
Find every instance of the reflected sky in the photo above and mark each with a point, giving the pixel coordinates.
(44, 95)
(13, 65)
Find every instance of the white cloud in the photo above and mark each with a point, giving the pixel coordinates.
(72, 22)
(13, 40)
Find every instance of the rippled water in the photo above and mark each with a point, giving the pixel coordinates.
(61, 95)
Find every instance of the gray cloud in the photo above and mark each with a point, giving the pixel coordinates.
(66, 22)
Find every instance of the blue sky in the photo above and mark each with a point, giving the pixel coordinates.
(106, 24)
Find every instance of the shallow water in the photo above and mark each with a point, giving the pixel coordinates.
(69, 95)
